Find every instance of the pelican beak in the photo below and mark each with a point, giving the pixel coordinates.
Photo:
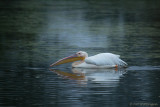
(71, 58)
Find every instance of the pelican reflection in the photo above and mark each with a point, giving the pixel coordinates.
(74, 76)
(95, 75)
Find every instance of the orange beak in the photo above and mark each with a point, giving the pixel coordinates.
(71, 58)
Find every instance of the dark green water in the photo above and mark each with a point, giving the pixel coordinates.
(36, 33)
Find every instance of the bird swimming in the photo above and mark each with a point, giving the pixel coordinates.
(102, 60)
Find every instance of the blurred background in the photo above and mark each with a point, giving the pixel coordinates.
(36, 33)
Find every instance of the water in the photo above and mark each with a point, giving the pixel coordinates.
(36, 33)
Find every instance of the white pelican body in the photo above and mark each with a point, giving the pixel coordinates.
(102, 60)
(85, 65)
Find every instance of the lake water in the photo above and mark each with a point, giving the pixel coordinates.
(36, 33)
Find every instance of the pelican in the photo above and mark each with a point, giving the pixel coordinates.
(102, 60)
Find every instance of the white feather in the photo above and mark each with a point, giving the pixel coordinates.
(105, 59)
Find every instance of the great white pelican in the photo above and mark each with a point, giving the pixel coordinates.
(102, 60)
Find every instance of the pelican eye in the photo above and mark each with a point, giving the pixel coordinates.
(79, 54)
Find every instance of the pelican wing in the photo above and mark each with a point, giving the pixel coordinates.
(105, 59)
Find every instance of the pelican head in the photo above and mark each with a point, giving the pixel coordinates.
(81, 55)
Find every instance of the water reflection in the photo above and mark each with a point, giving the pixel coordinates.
(83, 76)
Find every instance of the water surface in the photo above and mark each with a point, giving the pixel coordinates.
(36, 33)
